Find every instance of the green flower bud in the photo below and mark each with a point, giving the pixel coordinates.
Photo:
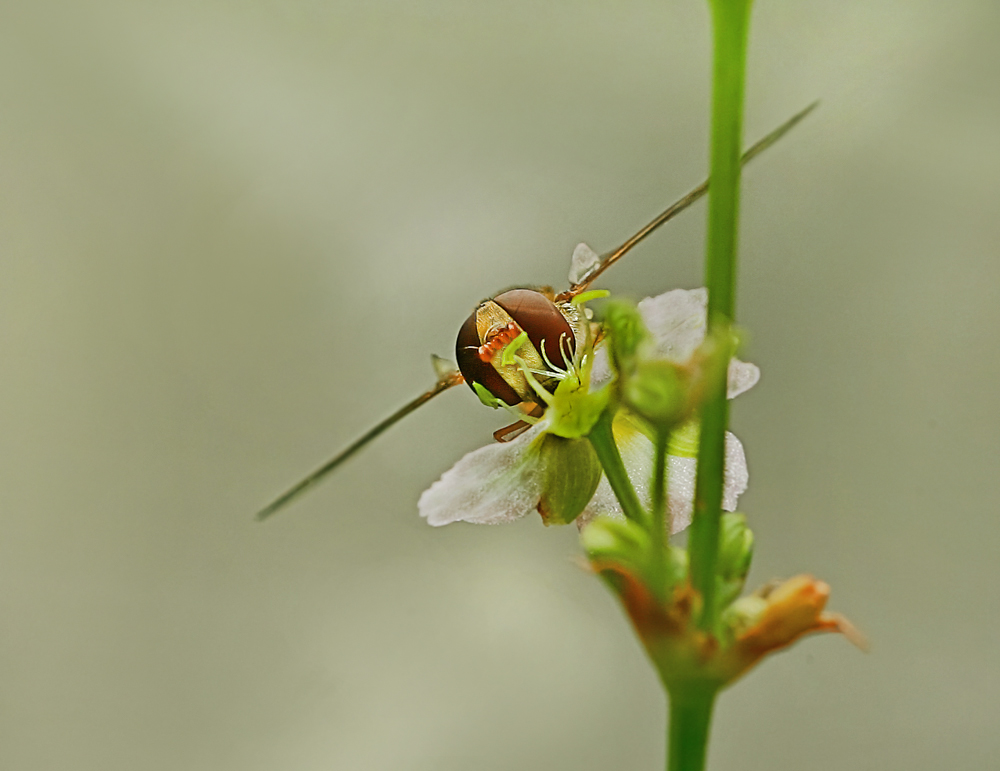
(735, 554)
(676, 565)
(571, 475)
(615, 540)
(741, 614)
(650, 385)
(626, 331)
(657, 391)
(626, 548)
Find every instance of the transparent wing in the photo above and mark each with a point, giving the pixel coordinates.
(445, 381)
(610, 258)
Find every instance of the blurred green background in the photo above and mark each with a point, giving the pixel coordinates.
(231, 235)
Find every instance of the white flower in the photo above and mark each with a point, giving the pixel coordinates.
(504, 481)
(677, 321)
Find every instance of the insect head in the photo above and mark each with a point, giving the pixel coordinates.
(518, 331)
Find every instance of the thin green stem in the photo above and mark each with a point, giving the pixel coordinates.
(730, 25)
(688, 726)
(658, 502)
(603, 439)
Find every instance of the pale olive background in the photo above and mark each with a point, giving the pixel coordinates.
(231, 234)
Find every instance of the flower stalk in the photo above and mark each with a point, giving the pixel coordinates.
(730, 21)
(603, 439)
(658, 502)
(688, 726)
(691, 703)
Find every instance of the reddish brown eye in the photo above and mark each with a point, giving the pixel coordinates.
(474, 369)
(537, 315)
(478, 339)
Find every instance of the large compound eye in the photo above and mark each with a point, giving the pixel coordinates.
(537, 315)
(495, 323)
(474, 369)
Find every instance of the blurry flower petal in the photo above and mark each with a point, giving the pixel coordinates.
(737, 474)
(742, 377)
(497, 483)
(676, 320)
(681, 483)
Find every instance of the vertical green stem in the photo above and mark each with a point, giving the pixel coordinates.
(730, 20)
(658, 506)
(603, 439)
(687, 729)
(658, 497)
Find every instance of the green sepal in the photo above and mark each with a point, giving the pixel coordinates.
(571, 475)
(485, 396)
(735, 555)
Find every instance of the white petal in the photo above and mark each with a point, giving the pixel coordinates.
(497, 483)
(603, 503)
(584, 259)
(742, 377)
(600, 371)
(637, 455)
(737, 475)
(680, 491)
(677, 321)
(681, 482)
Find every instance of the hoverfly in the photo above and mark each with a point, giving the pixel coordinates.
(549, 321)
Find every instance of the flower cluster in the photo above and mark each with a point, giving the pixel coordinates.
(505, 481)
(614, 447)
